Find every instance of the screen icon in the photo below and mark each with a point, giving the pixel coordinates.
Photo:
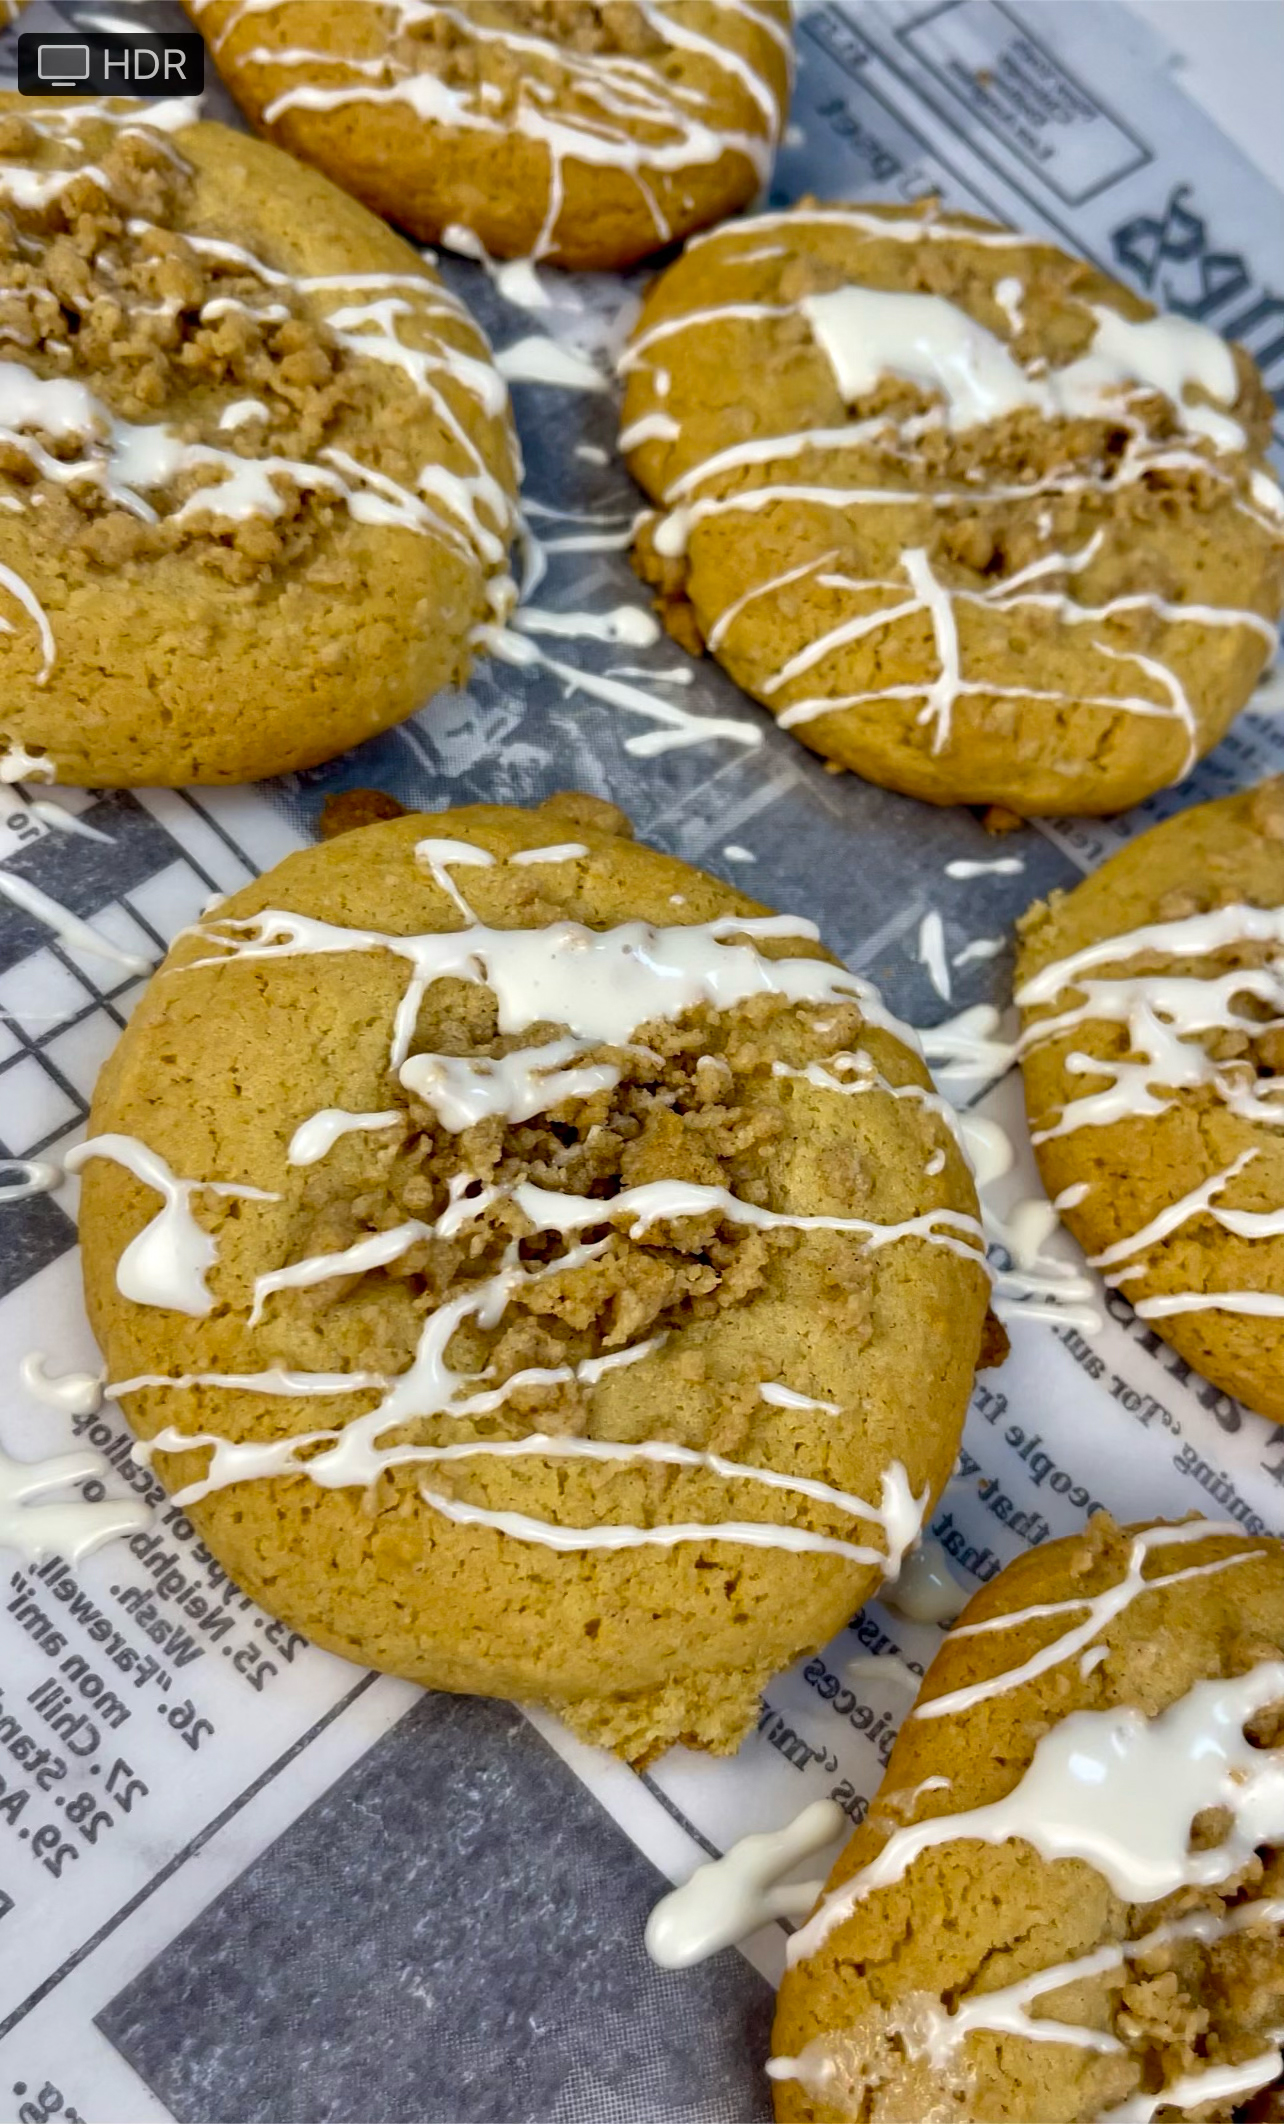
(110, 63)
(62, 66)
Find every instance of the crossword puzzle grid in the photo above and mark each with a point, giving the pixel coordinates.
(62, 1009)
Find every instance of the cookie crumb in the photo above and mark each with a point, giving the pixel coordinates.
(351, 808)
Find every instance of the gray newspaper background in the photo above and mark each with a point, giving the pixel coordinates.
(286, 1890)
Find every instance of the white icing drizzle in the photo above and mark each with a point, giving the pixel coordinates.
(314, 1138)
(75, 1393)
(658, 1201)
(66, 926)
(980, 948)
(592, 120)
(128, 462)
(38, 1176)
(462, 1092)
(930, 227)
(1165, 1015)
(539, 359)
(60, 820)
(732, 1896)
(550, 1210)
(783, 1397)
(995, 867)
(868, 333)
(940, 695)
(276, 1380)
(515, 279)
(1097, 1610)
(601, 984)
(353, 1456)
(558, 852)
(969, 1045)
(1037, 1286)
(1120, 1791)
(1070, 1197)
(241, 412)
(377, 1251)
(629, 625)
(750, 1534)
(932, 954)
(1211, 2083)
(468, 510)
(652, 427)
(732, 612)
(165, 1264)
(18, 587)
(856, 1072)
(37, 1527)
(869, 1666)
(676, 727)
(936, 2033)
(19, 765)
(1008, 293)
(925, 1590)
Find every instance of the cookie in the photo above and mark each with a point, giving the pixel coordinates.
(964, 514)
(1067, 1901)
(545, 1251)
(1152, 1048)
(557, 129)
(257, 468)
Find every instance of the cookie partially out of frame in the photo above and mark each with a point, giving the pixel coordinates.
(644, 1313)
(1067, 1901)
(1152, 1001)
(963, 513)
(586, 134)
(256, 465)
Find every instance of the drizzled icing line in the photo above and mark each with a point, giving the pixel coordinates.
(937, 2033)
(675, 727)
(69, 928)
(602, 984)
(37, 1525)
(867, 333)
(614, 94)
(166, 1263)
(1102, 1609)
(1165, 1015)
(469, 509)
(353, 1457)
(732, 1896)
(1111, 1787)
(35, 1176)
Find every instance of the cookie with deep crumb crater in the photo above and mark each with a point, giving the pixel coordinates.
(965, 515)
(1152, 1048)
(558, 129)
(257, 467)
(563, 1301)
(1067, 1900)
